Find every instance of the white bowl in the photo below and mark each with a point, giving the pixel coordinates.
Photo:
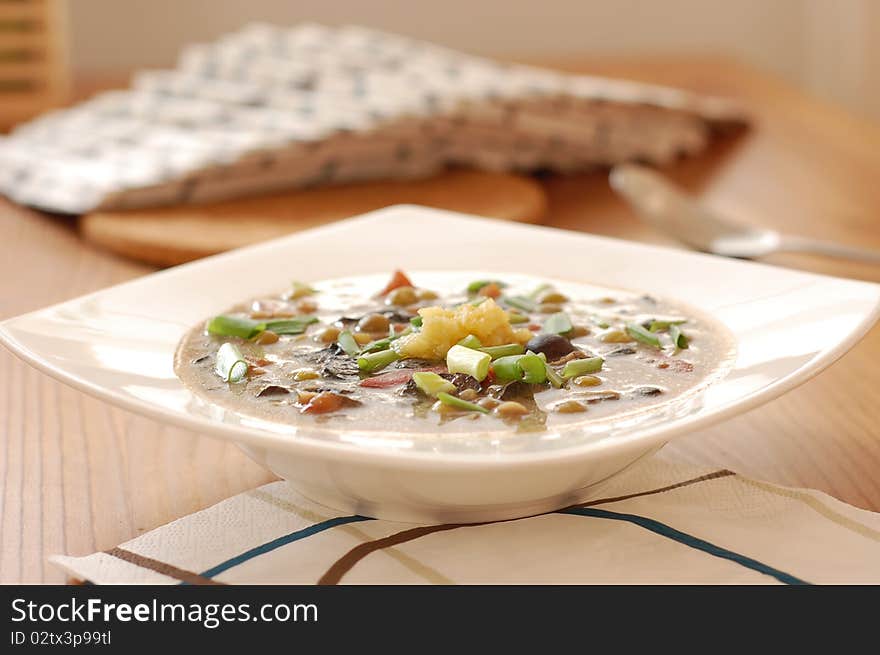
(118, 344)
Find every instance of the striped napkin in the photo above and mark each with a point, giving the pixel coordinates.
(659, 522)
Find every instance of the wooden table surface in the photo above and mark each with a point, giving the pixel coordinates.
(78, 475)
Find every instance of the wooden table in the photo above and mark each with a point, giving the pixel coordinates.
(78, 475)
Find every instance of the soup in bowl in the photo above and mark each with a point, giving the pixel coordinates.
(486, 358)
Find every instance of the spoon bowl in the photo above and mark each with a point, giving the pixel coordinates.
(670, 209)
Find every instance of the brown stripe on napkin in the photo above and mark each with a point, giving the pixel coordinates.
(344, 564)
(161, 567)
(413, 565)
(723, 473)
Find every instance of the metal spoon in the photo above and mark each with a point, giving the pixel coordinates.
(667, 207)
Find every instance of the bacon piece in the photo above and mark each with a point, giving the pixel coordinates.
(398, 279)
(327, 401)
(400, 376)
(390, 379)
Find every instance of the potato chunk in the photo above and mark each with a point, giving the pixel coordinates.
(443, 328)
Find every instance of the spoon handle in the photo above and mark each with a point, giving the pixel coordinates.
(803, 244)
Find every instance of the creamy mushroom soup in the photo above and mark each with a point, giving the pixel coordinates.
(446, 352)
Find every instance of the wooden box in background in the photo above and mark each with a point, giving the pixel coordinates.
(33, 58)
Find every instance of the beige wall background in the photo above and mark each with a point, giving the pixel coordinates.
(831, 47)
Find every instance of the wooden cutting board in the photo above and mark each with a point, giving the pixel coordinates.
(172, 235)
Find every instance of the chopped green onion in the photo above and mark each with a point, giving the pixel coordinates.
(431, 384)
(298, 290)
(384, 344)
(516, 317)
(376, 361)
(295, 325)
(521, 302)
(659, 326)
(416, 321)
(230, 363)
(470, 341)
(678, 337)
(639, 333)
(507, 369)
(375, 346)
(235, 326)
(452, 401)
(348, 344)
(582, 366)
(529, 368)
(601, 322)
(503, 351)
(476, 285)
(246, 328)
(558, 323)
(466, 360)
(555, 379)
(533, 368)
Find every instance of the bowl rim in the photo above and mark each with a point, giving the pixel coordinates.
(313, 448)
